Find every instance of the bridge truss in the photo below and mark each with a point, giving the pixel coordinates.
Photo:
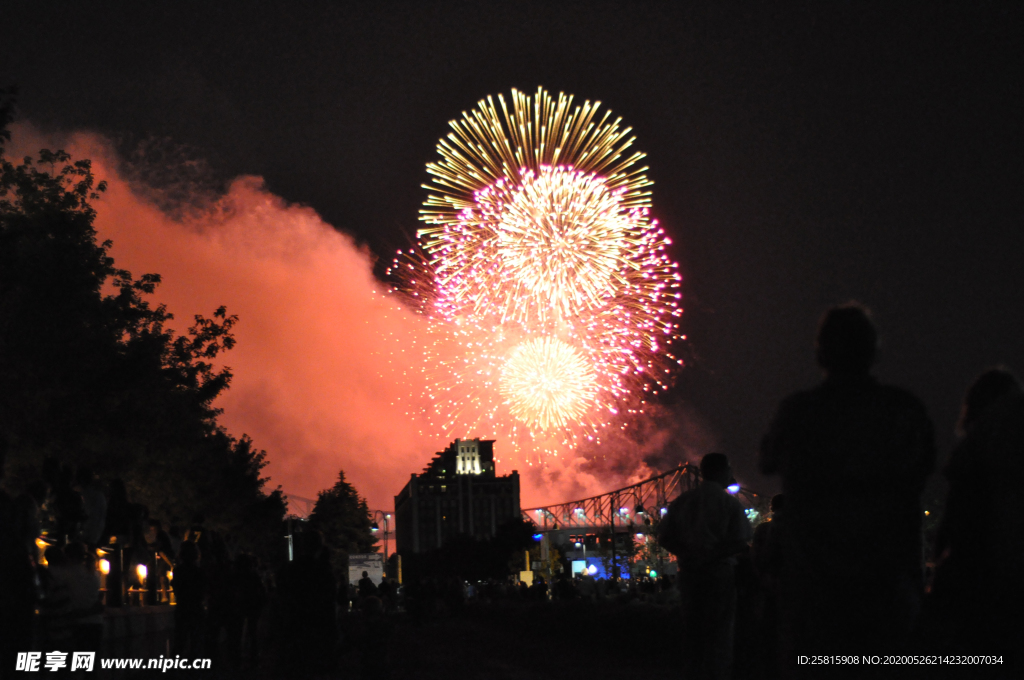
(637, 507)
(298, 507)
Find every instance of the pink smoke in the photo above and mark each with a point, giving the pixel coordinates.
(312, 383)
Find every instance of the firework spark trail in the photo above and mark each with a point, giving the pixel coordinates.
(551, 298)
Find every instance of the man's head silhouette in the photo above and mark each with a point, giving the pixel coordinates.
(847, 340)
(714, 467)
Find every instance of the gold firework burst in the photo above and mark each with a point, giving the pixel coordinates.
(552, 297)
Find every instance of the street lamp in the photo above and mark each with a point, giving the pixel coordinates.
(582, 543)
(385, 517)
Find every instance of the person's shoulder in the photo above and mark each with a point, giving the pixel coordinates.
(902, 398)
(733, 502)
(795, 406)
(714, 492)
(800, 399)
(681, 499)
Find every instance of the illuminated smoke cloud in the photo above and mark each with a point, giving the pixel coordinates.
(320, 378)
(306, 385)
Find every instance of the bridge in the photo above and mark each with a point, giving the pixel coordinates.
(634, 509)
(297, 506)
(638, 506)
(631, 513)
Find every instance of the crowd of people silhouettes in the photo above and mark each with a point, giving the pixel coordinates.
(837, 569)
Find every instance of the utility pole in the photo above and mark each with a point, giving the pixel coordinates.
(613, 509)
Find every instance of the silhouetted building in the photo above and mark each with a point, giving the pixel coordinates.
(457, 493)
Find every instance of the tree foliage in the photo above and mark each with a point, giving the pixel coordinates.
(92, 374)
(343, 518)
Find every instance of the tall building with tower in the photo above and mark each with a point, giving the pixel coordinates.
(457, 493)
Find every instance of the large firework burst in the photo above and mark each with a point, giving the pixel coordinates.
(552, 300)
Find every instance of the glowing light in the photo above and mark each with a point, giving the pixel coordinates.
(551, 299)
(104, 566)
(592, 569)
(42, 545)
(547, 383)
(664, 511)
(538, 537)
(733, 488)
(170, 575)
(623, 511)
(141, 571)
(558, 243)
(654, 574)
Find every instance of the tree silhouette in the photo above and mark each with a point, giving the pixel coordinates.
(343, 518)
(90, 372)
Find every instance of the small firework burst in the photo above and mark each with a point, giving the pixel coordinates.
(551, 298)
(547, 383)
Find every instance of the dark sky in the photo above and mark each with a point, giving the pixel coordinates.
(802, 157)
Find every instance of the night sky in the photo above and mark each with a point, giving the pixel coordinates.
(802, 157)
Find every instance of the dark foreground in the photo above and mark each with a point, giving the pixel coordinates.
(514, 641)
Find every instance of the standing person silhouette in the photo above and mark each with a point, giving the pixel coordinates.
(976, 594)
(854, 456)
(709, 529)
(190, 589)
